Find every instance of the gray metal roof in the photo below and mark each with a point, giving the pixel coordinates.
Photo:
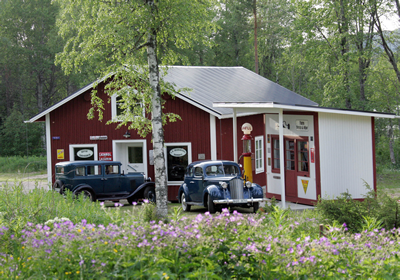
(215, 84)
(229, 84)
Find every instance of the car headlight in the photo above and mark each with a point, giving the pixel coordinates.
(223, 184)
(248, 184)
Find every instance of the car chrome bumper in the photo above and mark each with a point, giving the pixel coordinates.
(236, 201)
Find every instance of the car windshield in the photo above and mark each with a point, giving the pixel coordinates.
(222, 170)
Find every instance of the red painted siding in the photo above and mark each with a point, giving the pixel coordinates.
(69, 122)
(225, 140)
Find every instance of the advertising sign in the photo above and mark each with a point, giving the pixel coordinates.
(60, 154)
(106, 156)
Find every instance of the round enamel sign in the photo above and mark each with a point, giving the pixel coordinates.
(84, 153)
(177, 152)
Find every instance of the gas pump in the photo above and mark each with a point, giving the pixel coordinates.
(248, 171)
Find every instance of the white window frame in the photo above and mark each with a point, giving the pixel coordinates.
(260, 160)
(114, 106)
(189, 145)
(72, 146)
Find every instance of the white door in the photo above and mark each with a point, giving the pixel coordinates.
(131, 154)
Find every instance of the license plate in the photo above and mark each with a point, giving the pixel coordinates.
(57, 189)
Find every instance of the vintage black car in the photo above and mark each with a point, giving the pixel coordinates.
(102, 180)
(217, 184)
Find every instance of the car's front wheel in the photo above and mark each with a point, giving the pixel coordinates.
(256, 205)
(150, 194)
(86, 194)
(210, 205)
(185, 206)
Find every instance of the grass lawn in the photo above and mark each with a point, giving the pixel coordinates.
(388, 179)
(23, 176)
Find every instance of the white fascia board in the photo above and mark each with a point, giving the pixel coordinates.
(198, 105)
(62, 102)
(267, 107)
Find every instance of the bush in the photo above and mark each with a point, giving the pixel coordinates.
(20, 164)
(357, 215)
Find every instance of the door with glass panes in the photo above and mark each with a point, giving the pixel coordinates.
(296, 155)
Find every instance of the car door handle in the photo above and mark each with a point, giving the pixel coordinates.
(104, 179)
(191, 182)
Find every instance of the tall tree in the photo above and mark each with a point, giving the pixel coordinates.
(131, 39)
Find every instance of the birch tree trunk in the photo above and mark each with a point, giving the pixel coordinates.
(156, 120)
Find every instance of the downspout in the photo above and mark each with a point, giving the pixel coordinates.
(234, 122)
(281, 159)
(48, 151)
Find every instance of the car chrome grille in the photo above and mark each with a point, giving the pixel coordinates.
(236, 188)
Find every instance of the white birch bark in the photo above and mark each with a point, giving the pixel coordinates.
(157, 127)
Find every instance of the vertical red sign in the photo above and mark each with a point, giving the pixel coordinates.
(312, 155)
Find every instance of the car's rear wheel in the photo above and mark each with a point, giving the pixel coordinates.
(256, 205)
(150, 194)
(58, 186)
(86, 194)
(210, 205)
(185, 206)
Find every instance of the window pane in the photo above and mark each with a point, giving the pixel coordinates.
(112, 169)
(277, 163)
(290, 165)
(80, 171)
(276, 143)
(135, 154)
(93, 170)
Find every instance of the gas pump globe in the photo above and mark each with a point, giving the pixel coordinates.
(248, 172)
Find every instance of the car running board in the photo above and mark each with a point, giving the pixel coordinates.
(195, 203)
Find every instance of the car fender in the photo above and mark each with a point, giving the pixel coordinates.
(183, 189)
(257, 191)
(141, 187)
(86, 187)
(212, 190)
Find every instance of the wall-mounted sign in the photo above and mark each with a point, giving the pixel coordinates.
(56, 137)
(305, 185)
(102, 137)
(302, 125)
(177, 152)
(85, 153)
(201, 156)
(107, 156)
(312, 155)
(60, 153)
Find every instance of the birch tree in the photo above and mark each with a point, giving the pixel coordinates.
(129, 41)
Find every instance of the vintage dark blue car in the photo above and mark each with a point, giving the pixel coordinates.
(102, 180)
(217, 184)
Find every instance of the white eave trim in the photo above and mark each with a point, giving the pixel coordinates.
(267, 107)
(59, 104)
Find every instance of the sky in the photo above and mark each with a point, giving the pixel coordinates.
(390, 22)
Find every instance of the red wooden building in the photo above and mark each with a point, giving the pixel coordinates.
(206, 132)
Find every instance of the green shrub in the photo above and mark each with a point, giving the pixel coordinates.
(357, 215)
(17, 164)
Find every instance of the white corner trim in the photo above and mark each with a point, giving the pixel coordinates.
(48, 151)
(213, 137)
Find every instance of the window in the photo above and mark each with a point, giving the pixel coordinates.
(120, 105)
(59, 170)
(93, 170)
(135, 154)
(259, 153)
(80, 171)
(295, 155)
(111, 169)
(275, 154)
(83, 152)
(178, 157)
(302, 156)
